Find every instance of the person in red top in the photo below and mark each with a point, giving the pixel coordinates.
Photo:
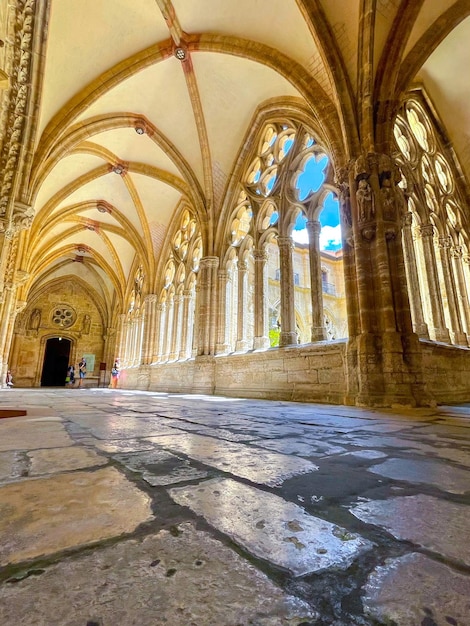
(114, 375)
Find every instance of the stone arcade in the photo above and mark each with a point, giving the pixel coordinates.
(155, 164)
(257, 202)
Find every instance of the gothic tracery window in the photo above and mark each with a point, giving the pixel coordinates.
(177, 294)
(280, 190)
(440, 233)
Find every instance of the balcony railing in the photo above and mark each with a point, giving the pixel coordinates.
(329, 288)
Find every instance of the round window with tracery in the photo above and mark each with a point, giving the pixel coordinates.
(63, 316)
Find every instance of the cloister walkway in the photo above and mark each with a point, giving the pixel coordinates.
(120, 508)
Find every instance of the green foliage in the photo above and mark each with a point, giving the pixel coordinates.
(274, 334)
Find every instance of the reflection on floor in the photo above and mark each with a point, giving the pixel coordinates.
(133, 508)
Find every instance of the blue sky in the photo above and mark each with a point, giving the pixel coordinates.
(310, 180)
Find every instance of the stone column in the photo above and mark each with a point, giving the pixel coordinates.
(133, 340)
(125, 341)
(167, 336)
(159, 332)
(316, 291)
(139, 339)
(222, 346)
(466, 268)
(288, 335)
(461, 288)
(350, 283)
(419, 325)
(185, 351)
(149, 328)
(261, 339)
(432, 293)
(120, 346)
(206, 306)
(7, 309)
(110, 350)
(458, 337)
(176, 330)
(242, 344)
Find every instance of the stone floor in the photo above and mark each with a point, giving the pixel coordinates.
(139, 509)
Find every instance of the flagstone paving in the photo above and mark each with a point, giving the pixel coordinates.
(120, 508)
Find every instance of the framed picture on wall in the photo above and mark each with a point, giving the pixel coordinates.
(90, 363)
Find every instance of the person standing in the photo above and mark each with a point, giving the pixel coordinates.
(81, 371)
(9, 380)
(114, 375)
(70, 379)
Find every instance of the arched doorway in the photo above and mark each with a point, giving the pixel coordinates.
(56, 360)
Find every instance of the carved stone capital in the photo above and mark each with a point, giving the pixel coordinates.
(313, 227)
(224, 275)
(151, 298)
(23, 216)
(209, 262)
(407, 219)
(456, 252)
(260, 256)
(285, 242)
(426, 230)
(444, 242)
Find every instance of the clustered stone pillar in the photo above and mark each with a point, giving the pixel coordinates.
(206, 306)
(261, 339)
(385, 352)
(149, 328)
(316, 290)
(288, 335)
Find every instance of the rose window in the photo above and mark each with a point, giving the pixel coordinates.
(63, 317)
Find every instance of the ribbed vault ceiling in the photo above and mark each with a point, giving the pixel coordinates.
(111, 70)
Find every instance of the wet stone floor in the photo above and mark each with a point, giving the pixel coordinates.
(126, 508)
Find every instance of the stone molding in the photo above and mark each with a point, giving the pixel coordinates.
(19, 56)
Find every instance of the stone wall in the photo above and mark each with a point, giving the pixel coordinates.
(447, 372)
(40, 321)
(314, 373)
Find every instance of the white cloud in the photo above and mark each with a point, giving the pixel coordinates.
(328, 234)
(300, 236)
